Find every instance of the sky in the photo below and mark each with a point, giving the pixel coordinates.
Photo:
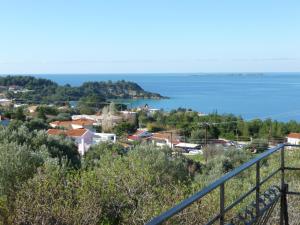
(154, 36)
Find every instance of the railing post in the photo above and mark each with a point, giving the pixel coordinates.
(222, 204)
(284, 220)
(257, 190)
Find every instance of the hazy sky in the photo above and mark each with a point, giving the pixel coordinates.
(107, 36)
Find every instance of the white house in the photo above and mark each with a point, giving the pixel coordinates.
(189, 148)
(293, 138)
(104, 137)
(162, 139)
(83, 137)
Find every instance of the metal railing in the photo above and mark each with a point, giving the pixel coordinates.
(220, 183)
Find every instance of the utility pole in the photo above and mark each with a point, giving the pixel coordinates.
(171, 140)
(171, 135)
(206, 126)
(206, 131)
(270, 133)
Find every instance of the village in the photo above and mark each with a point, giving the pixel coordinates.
(88, 130)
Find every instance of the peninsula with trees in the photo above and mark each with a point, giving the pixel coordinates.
(28, 89)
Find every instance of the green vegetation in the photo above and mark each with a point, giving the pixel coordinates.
(44, 181)
(124, 128)
(192, 126)
(90, 104)
(37, 90)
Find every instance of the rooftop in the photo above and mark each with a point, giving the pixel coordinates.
(83, 122)
(70, 133)
(294, 135)
(186, 145)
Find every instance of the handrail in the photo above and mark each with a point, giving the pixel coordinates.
(220, 183)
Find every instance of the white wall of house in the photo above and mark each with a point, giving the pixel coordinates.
(103, 137)
(78, 126)
(162, 143)
(84, 142)
(293, 141)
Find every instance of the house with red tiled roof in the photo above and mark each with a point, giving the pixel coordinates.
(74, 124)
(83, 123)
(83, 137)
(293, 138)
(169, 139)
(140, 135)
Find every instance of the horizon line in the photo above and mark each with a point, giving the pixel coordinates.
(149, 73)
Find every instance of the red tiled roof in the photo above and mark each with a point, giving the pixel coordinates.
(55, 131)
(83, 122)
(76, 132)
(70, 133)
(294, 135)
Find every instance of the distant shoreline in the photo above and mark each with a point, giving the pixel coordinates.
(154, 74)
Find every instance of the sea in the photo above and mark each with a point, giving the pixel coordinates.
(250, 95)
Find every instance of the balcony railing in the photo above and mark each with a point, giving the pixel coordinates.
(255, 214)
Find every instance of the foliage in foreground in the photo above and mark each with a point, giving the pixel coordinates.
(40, 184)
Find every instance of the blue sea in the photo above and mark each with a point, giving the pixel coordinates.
(251, 95)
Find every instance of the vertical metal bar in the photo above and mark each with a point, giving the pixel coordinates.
(257, 190)
(222, 204)
(285, 206)
(282, 201)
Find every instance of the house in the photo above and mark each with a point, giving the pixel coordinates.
(4, 121)
(293, 138)
(104, 137)
(74, 124)
(83, 137)
(99, 119)
(187, 147)
(140, 135)
(83, 123)
(149, 111)
(169, 139)
(128, 113)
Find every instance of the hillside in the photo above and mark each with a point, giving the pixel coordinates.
(30, 89)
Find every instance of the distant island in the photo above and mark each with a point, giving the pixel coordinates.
(28, 89)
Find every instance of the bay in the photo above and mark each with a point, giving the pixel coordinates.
(251, 95)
